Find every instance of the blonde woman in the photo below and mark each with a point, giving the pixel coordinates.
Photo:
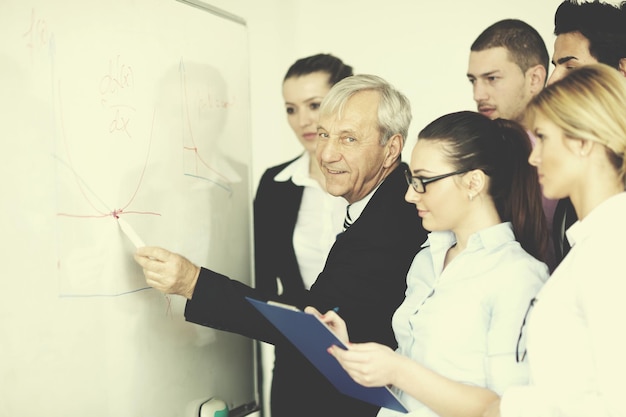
(576, 349)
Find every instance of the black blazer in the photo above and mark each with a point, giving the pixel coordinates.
(564, 217)
(364, 275)
(276, 207)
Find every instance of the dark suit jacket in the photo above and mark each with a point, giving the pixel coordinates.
(364, 275)
(276, 207)
(564, 217)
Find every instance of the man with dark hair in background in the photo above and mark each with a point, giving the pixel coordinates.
(586, 33)
(508, 66)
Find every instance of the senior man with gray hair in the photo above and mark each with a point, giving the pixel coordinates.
(362, 129)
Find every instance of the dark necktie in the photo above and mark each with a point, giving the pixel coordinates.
(347, 222)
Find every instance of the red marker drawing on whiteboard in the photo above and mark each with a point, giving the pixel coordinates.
(130, 233)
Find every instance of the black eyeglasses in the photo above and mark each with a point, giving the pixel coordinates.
(419, 183)
(520, 357)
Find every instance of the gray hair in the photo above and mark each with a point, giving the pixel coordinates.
(394, 109)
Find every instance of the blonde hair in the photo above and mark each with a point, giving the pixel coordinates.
(589, 104)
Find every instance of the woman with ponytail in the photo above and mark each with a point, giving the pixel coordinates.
(468, 289)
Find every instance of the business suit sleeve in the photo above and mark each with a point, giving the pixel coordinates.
(365, 275)
(219, 302)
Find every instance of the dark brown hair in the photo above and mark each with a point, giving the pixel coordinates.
(525, 45)
(330, 64)
(500, 148)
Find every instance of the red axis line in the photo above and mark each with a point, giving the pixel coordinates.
(194, 147)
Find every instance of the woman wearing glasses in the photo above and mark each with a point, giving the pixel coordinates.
(576, 350)
(468, 289)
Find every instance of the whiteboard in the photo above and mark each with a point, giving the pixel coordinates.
(137, 109)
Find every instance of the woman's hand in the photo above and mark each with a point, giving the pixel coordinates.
(369, 364)
(332, 320)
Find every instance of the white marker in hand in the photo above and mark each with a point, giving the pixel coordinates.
(130, 233)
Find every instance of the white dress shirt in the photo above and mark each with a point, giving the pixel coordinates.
(576, 342)
(320, 218)
(463, 321)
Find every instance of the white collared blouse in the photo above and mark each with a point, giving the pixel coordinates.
(576, 345)
(463, 321)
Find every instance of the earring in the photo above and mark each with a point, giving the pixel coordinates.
(470, 196)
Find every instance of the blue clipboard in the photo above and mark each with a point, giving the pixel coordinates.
(312, 337)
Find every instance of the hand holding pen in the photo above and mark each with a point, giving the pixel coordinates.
(334, 321)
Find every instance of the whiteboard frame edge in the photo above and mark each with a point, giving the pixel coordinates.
(215, 10)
